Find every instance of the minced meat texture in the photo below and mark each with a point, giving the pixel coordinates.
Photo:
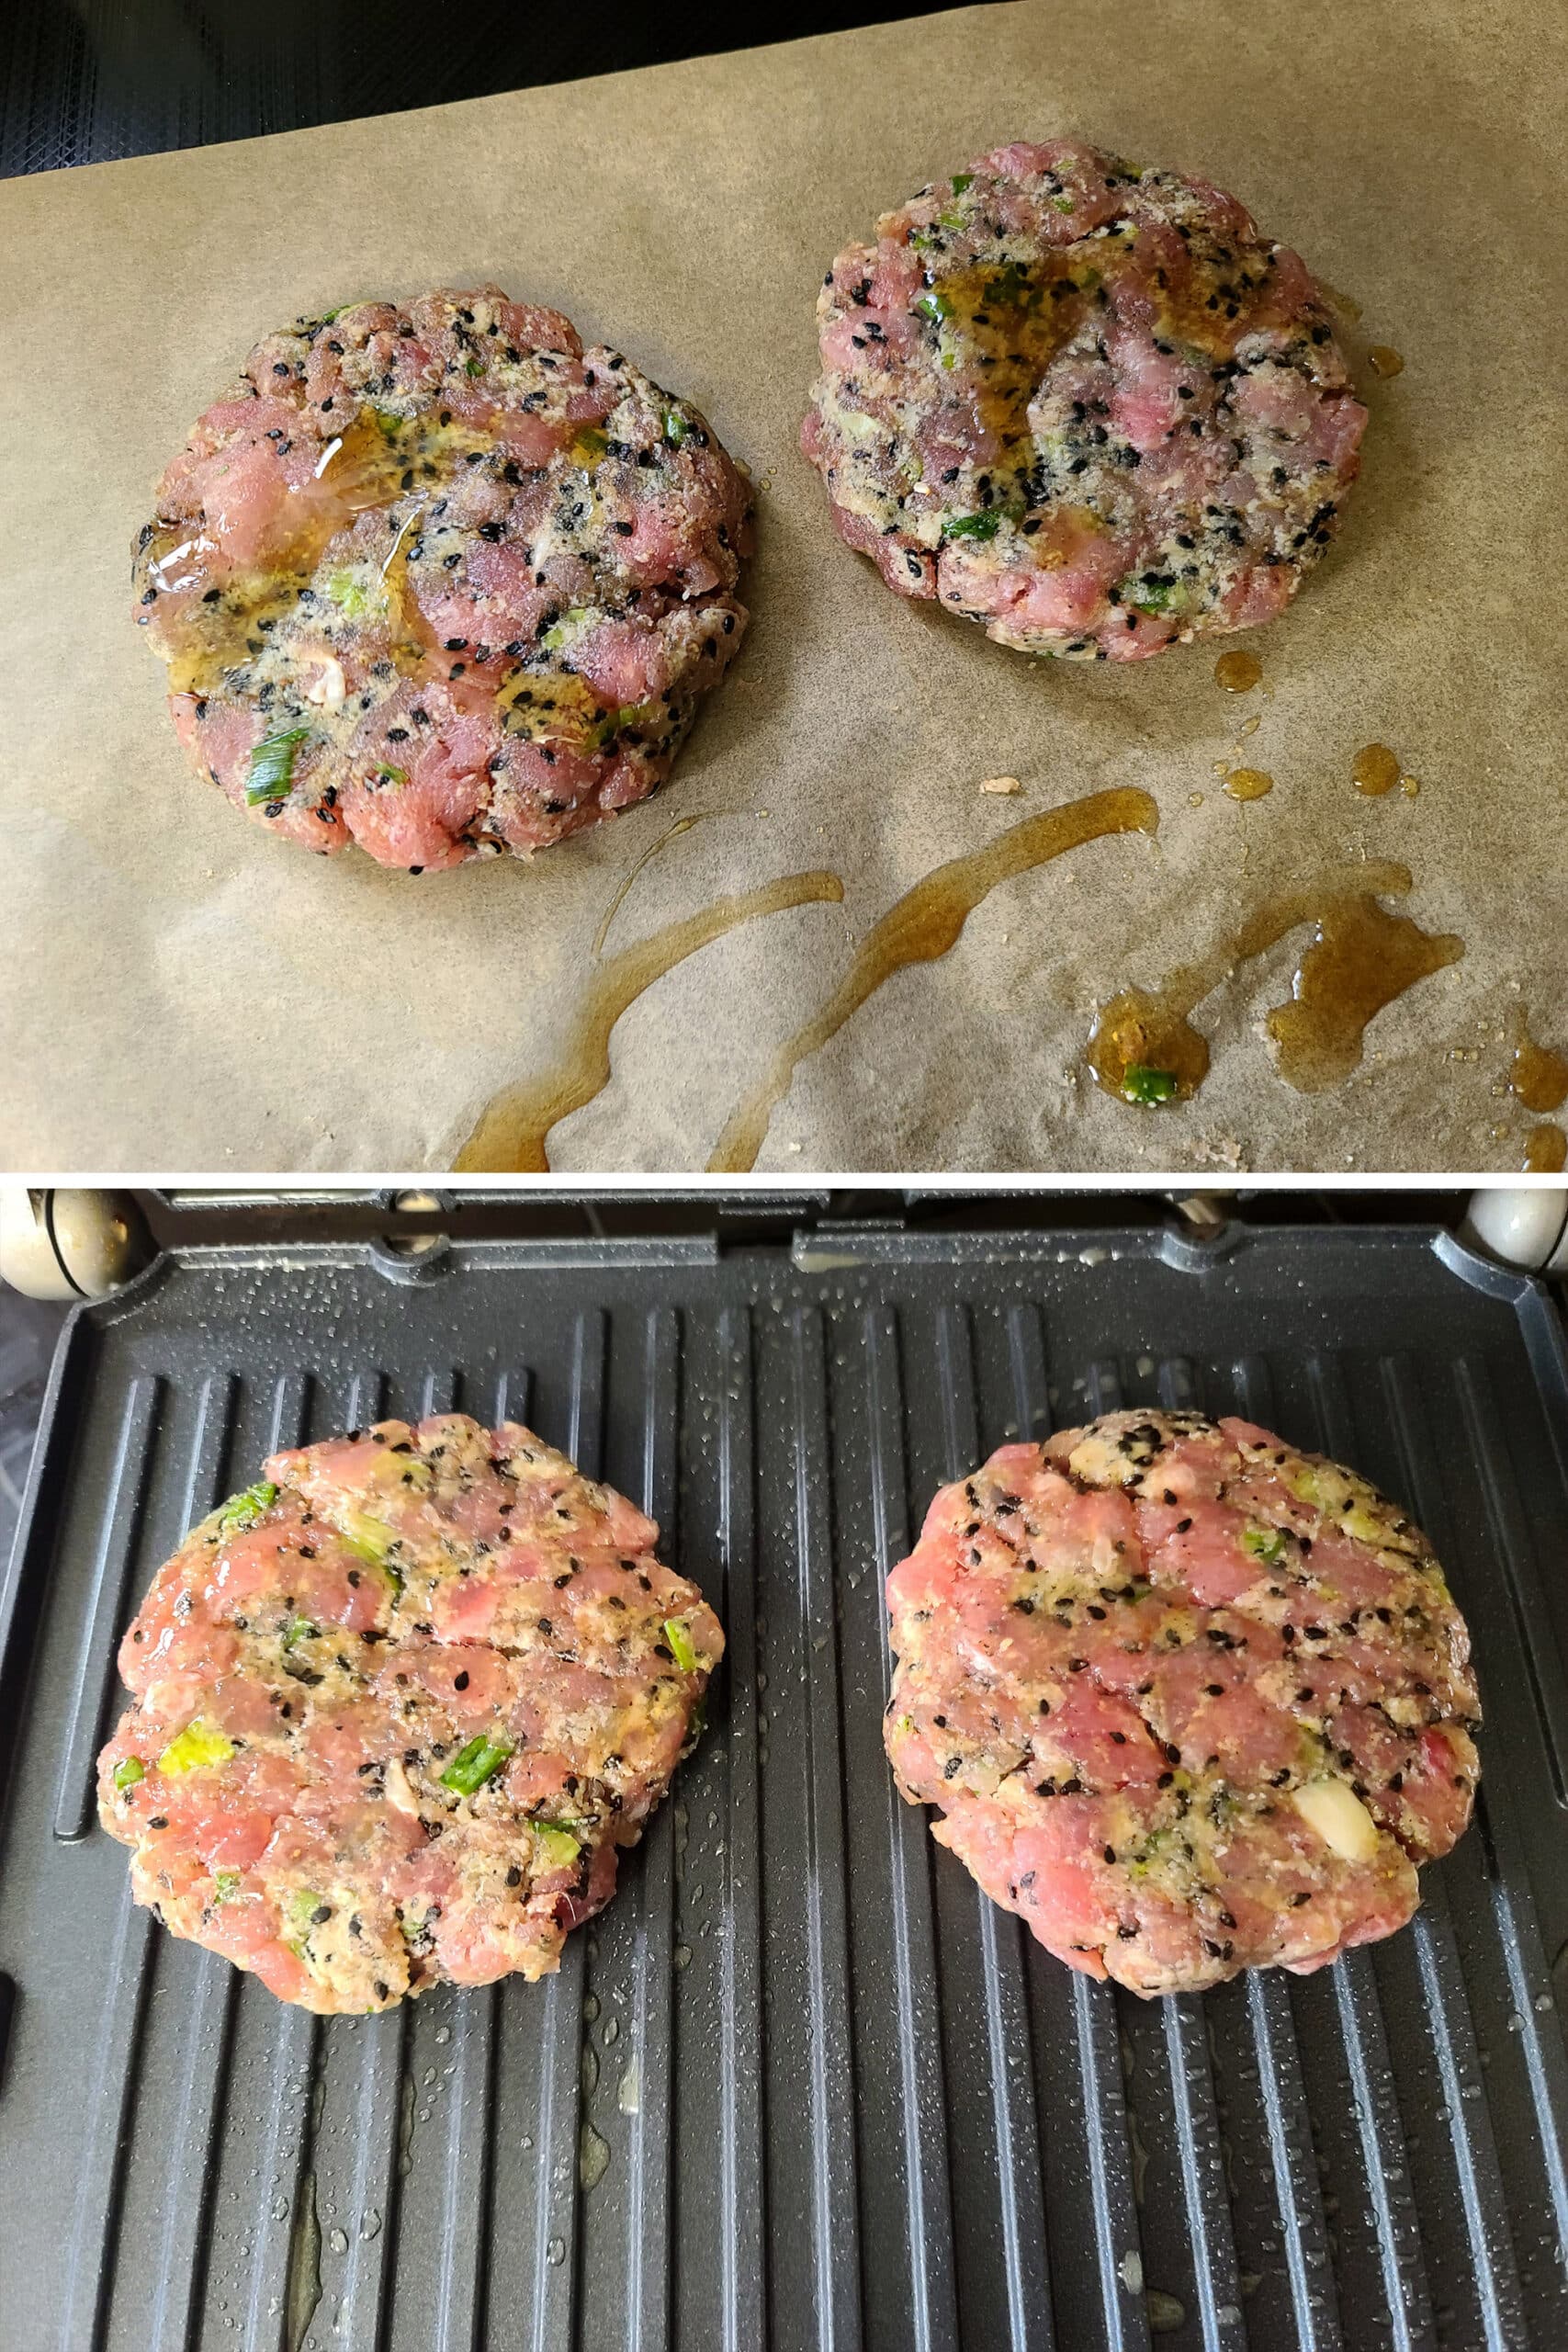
(435, 580)
(396, 1710)
(1084, 403)
(1190, 1700)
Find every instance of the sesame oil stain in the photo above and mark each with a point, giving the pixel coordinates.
(921, 928)
(512, 1132)
(1237, 671)
(1538, 1077)
(1144, 1048)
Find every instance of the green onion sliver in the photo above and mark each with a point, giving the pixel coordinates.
(1142, 1084)
(680, 1642)
(126, 1775)
(271, 772)
(474, 1763)
(972, 526)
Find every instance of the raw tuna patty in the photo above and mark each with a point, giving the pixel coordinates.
(1190, 1701)
(1083, 403)
(397, 1708)
(435, 580)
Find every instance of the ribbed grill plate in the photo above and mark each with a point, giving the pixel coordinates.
(826, 2097)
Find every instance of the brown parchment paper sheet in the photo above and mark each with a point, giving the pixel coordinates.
(181, 992)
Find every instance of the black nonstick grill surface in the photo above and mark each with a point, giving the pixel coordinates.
(800, 2085)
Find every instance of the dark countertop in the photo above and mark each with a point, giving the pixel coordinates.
(87, 81)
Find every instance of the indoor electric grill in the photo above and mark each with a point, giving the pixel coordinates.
(801, 2086)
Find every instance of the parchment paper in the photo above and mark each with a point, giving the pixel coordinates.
(181, 992)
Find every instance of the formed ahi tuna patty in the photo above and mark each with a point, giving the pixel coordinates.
(396, 1710)
(1083, 403)
(435, 580)
(1190, 1701)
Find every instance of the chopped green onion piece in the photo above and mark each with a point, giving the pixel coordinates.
(922, 239)
(367, 1538)
(390, 423)
(1263, 1543)
(935, 305)
(225, 1882)
(474, 1763)
(1153, 596)
(560, 1847)
(1064, 204)
(588, 445)
(1141, 1084)
(951, 219)
(349, 592)
(475, 366)
(972, 526)
(961, 180)
(950, 358)
(680, 1642)
(243, 1510)
(676, 428)
(298, 1629)
(271, 771)
(126, 1775)
(386, 775)
(305, 1902)
(200, 1746)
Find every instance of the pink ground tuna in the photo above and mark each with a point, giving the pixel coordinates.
(1190, 1701)
(397, 1709)
(435, 580)
(1083, 403)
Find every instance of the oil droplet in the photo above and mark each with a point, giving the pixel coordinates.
(555, 2251)
(1360, 959)
(921, 928)
(1546, 1149)
(1238, 673)
(589, 2070)
(1537, 1075)
(593, 2156)
(628, 2096)
(513, 1131)
(1375, 770)
(1384, 360)
(1248, 783)
(1167, 2312)
(338, 2240)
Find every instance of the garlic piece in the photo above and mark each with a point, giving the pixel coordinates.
(331, 686)
(1340, 1819)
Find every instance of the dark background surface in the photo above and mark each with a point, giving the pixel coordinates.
(86, 81)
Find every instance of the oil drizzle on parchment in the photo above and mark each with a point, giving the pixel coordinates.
(512, 1132)
(920, 928)
(1360, 959)
(1385, 361)
(1539, 1078)
(1537, 1075)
